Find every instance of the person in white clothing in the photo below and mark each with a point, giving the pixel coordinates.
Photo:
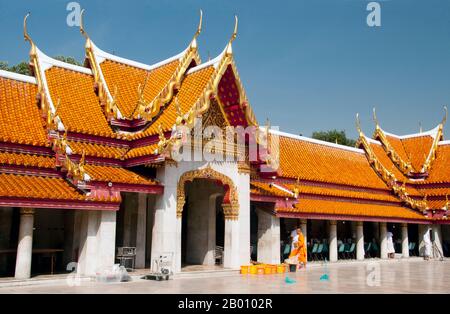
(428, 245)
(390, 245)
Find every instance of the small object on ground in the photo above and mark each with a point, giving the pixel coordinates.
(324, 277)
(115, 274)
(289, 280)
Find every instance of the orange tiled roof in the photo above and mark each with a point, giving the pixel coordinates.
(312, 206)
(97, 150)
(323, 163)
(191, 90)
(417, 149)
(20, 119)
(127, 79)
(263, 188)
(37, 187)
(397, 145)
(347, 193)
(440, 171)
(116, 175)
(79, 110)
(26, 160)
(384, 159)
(141, 151)
(436, 204)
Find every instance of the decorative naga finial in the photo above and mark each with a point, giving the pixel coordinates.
(444, 119)
(358, 125)
(26, 36)
(375, 119)
(199, 28)
(233, 36)
(82, 31)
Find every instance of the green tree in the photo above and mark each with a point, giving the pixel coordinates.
(70, 60)
(4, 65)
(21, 68)
(334, 136)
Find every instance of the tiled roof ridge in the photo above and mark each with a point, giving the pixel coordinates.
(315, 141)
(18, 77)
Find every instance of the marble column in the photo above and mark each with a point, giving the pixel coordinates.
(141, 231)
(268, 238)
(405, 240)
(87, 256)
(360, 241)
(231, 258)
(437, 238)
(423, 229)
(333, 249)
(166, 232)
(25, 246)
(106, 237)
(383, 240)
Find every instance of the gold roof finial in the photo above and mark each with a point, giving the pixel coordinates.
(233, 36)
(26, 36)
(375, 119)
(199, 28)
(444, 119)
(25, 32)
(82, 31)
(358, 125)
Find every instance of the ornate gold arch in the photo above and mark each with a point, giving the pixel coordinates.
(230, 203)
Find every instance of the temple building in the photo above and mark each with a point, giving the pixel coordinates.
(87, 166)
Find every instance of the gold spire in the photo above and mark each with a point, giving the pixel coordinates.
(375, 119)
(25, 31)
(444, 119)
(358, 125)
(199, 30)
(233, 36)
(82, 31)
(27, 37)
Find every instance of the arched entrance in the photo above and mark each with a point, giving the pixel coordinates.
(206, 199)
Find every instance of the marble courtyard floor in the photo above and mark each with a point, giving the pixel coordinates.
(397, 276)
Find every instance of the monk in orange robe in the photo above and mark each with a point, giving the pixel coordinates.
(299, 247)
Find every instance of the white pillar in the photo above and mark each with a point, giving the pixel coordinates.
(106, 238)
(437, 237)
(333, 249)
(87, 258)
(422, 230)
(141, 230)
(268, 238)
(166, 233)
(231, 247)
(243, 235)
(360, 241)
(405, 240)
(25, 246)
(383, 240)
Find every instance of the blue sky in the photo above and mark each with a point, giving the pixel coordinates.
(306, 64)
